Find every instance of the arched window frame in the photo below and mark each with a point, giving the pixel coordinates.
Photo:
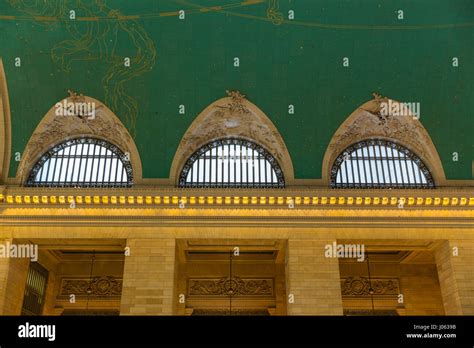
(387, 143)
(280, 182)
(116, 151)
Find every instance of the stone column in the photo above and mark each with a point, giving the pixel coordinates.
(4, 267)
(148, 277)
(312, 279)
(455, 263)
(13, 273)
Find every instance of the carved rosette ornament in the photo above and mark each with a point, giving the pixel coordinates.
(360, 286)
(230, 287)
(96, 287)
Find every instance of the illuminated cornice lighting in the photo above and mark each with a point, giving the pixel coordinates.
(211, 200)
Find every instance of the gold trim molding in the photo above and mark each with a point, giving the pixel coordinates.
(290, 201)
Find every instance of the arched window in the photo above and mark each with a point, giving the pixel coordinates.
(379, 164)
(231, 163)
(82, 162)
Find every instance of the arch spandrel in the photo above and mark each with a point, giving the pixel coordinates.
(232, 117)
(368, 122)
(54, 129)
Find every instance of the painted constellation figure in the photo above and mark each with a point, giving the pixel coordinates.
(96, 41)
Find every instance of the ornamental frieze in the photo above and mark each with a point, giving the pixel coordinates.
(361, 286)
(230, 287)
(97, 286)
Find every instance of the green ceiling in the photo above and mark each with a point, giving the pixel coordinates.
(190, 62)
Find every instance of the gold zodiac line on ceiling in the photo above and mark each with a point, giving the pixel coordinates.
(273, 16)
(201, 9)
(224, 9)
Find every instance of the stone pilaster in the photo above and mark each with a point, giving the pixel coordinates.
(455, 263)
(148, 277)
(312, 279)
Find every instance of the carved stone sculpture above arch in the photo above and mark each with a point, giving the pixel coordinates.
(370, 122)
(232, 117)
(55, 129)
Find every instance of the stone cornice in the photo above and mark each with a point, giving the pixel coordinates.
(455, 198)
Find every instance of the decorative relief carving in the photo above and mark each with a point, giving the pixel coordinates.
(55, 129)
(232, 117)
(368, 312)
(230, 287)
(235, 311)
(378, 104)
(370, 123)
(99, 286)
(360, 286)
(236, 105)
(76, 97)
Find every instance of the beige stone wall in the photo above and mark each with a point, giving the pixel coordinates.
(15, 289)
(313, 279)
(148, 277)
(421, 291)
(4, 264)
(418, 284)
(456, 276)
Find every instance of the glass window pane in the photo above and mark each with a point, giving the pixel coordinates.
(379, 163)
(233, 163)
(81, 162)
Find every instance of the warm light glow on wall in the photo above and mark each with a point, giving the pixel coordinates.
(305, 201)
